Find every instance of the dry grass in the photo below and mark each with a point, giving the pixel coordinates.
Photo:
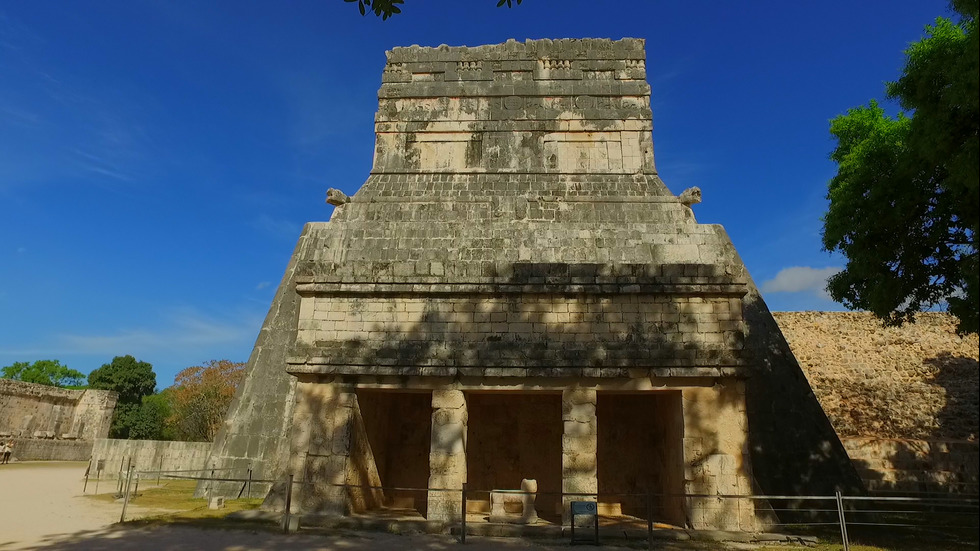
(176, 502)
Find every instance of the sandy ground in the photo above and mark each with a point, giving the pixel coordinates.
(41, 507)
(41, 501)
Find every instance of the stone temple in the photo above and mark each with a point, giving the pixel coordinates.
(514, 293)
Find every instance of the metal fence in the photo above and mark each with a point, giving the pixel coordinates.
(868, 519)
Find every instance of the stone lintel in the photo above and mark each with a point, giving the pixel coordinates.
(301, 366)
(496, 285)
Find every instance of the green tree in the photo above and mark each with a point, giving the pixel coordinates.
(904, 203)
(133, 380)
(386, 8)
(150, 421)
(45, 372)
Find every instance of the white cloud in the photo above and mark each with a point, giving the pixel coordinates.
(183, 328)
(800, 279)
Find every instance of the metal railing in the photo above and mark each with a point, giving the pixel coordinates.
(839, 517)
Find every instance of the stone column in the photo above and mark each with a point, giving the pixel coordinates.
(579, 468)
(447, 454)
(716, 458)
(323, 426)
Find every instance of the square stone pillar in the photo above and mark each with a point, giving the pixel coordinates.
(320, 447)
(447, 455)
(579, 467)
(717, 458)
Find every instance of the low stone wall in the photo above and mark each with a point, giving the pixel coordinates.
(147, 455)
(36, 449)
(915, 466)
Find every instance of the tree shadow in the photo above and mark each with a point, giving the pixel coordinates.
(946, 460)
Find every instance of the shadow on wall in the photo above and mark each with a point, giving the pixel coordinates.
(586, 330)
(946, 460)
(795, 449)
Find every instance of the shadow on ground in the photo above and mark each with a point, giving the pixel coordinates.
(174, 537)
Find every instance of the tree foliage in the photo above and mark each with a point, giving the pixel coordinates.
(200, 398)
(904, 203)
(386, 8)
(133, 380)
(45, 372)
(150, 421)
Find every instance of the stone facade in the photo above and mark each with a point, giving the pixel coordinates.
(515, 250)
(29, 410)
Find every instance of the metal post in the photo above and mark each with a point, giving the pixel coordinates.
(129, 478)
(210, 482)
(87, 469)
(119, 476)
(136, 490)
(597, 520)
(462, 528)
(649, 519)
(289, 499)
(248, 494)
(843, 523)
(98, 477)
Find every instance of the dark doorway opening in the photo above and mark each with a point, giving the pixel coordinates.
(390, 448)
(511, 437)
(640, 451)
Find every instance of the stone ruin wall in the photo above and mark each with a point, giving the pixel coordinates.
(30, 410)
(904, 400)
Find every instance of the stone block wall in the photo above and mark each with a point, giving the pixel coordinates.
(537, 331)
(152, 455)
(32, 410)
(39, 449)
(903, 399)
(917, 381)
(916, 466)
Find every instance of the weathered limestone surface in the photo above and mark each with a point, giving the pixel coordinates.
(579, 468)
(917, 381)
(916, 466)
(41, 449)
(904, 399)
(716, 457)
(514, 232)
(152, 455)
(321, 446)
(29, 409)
(447, 454)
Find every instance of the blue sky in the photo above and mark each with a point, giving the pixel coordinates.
(158, 159)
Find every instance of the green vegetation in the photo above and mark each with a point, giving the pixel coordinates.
(386, 8)
(45, 372)
(904, 203)
(133, 380)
